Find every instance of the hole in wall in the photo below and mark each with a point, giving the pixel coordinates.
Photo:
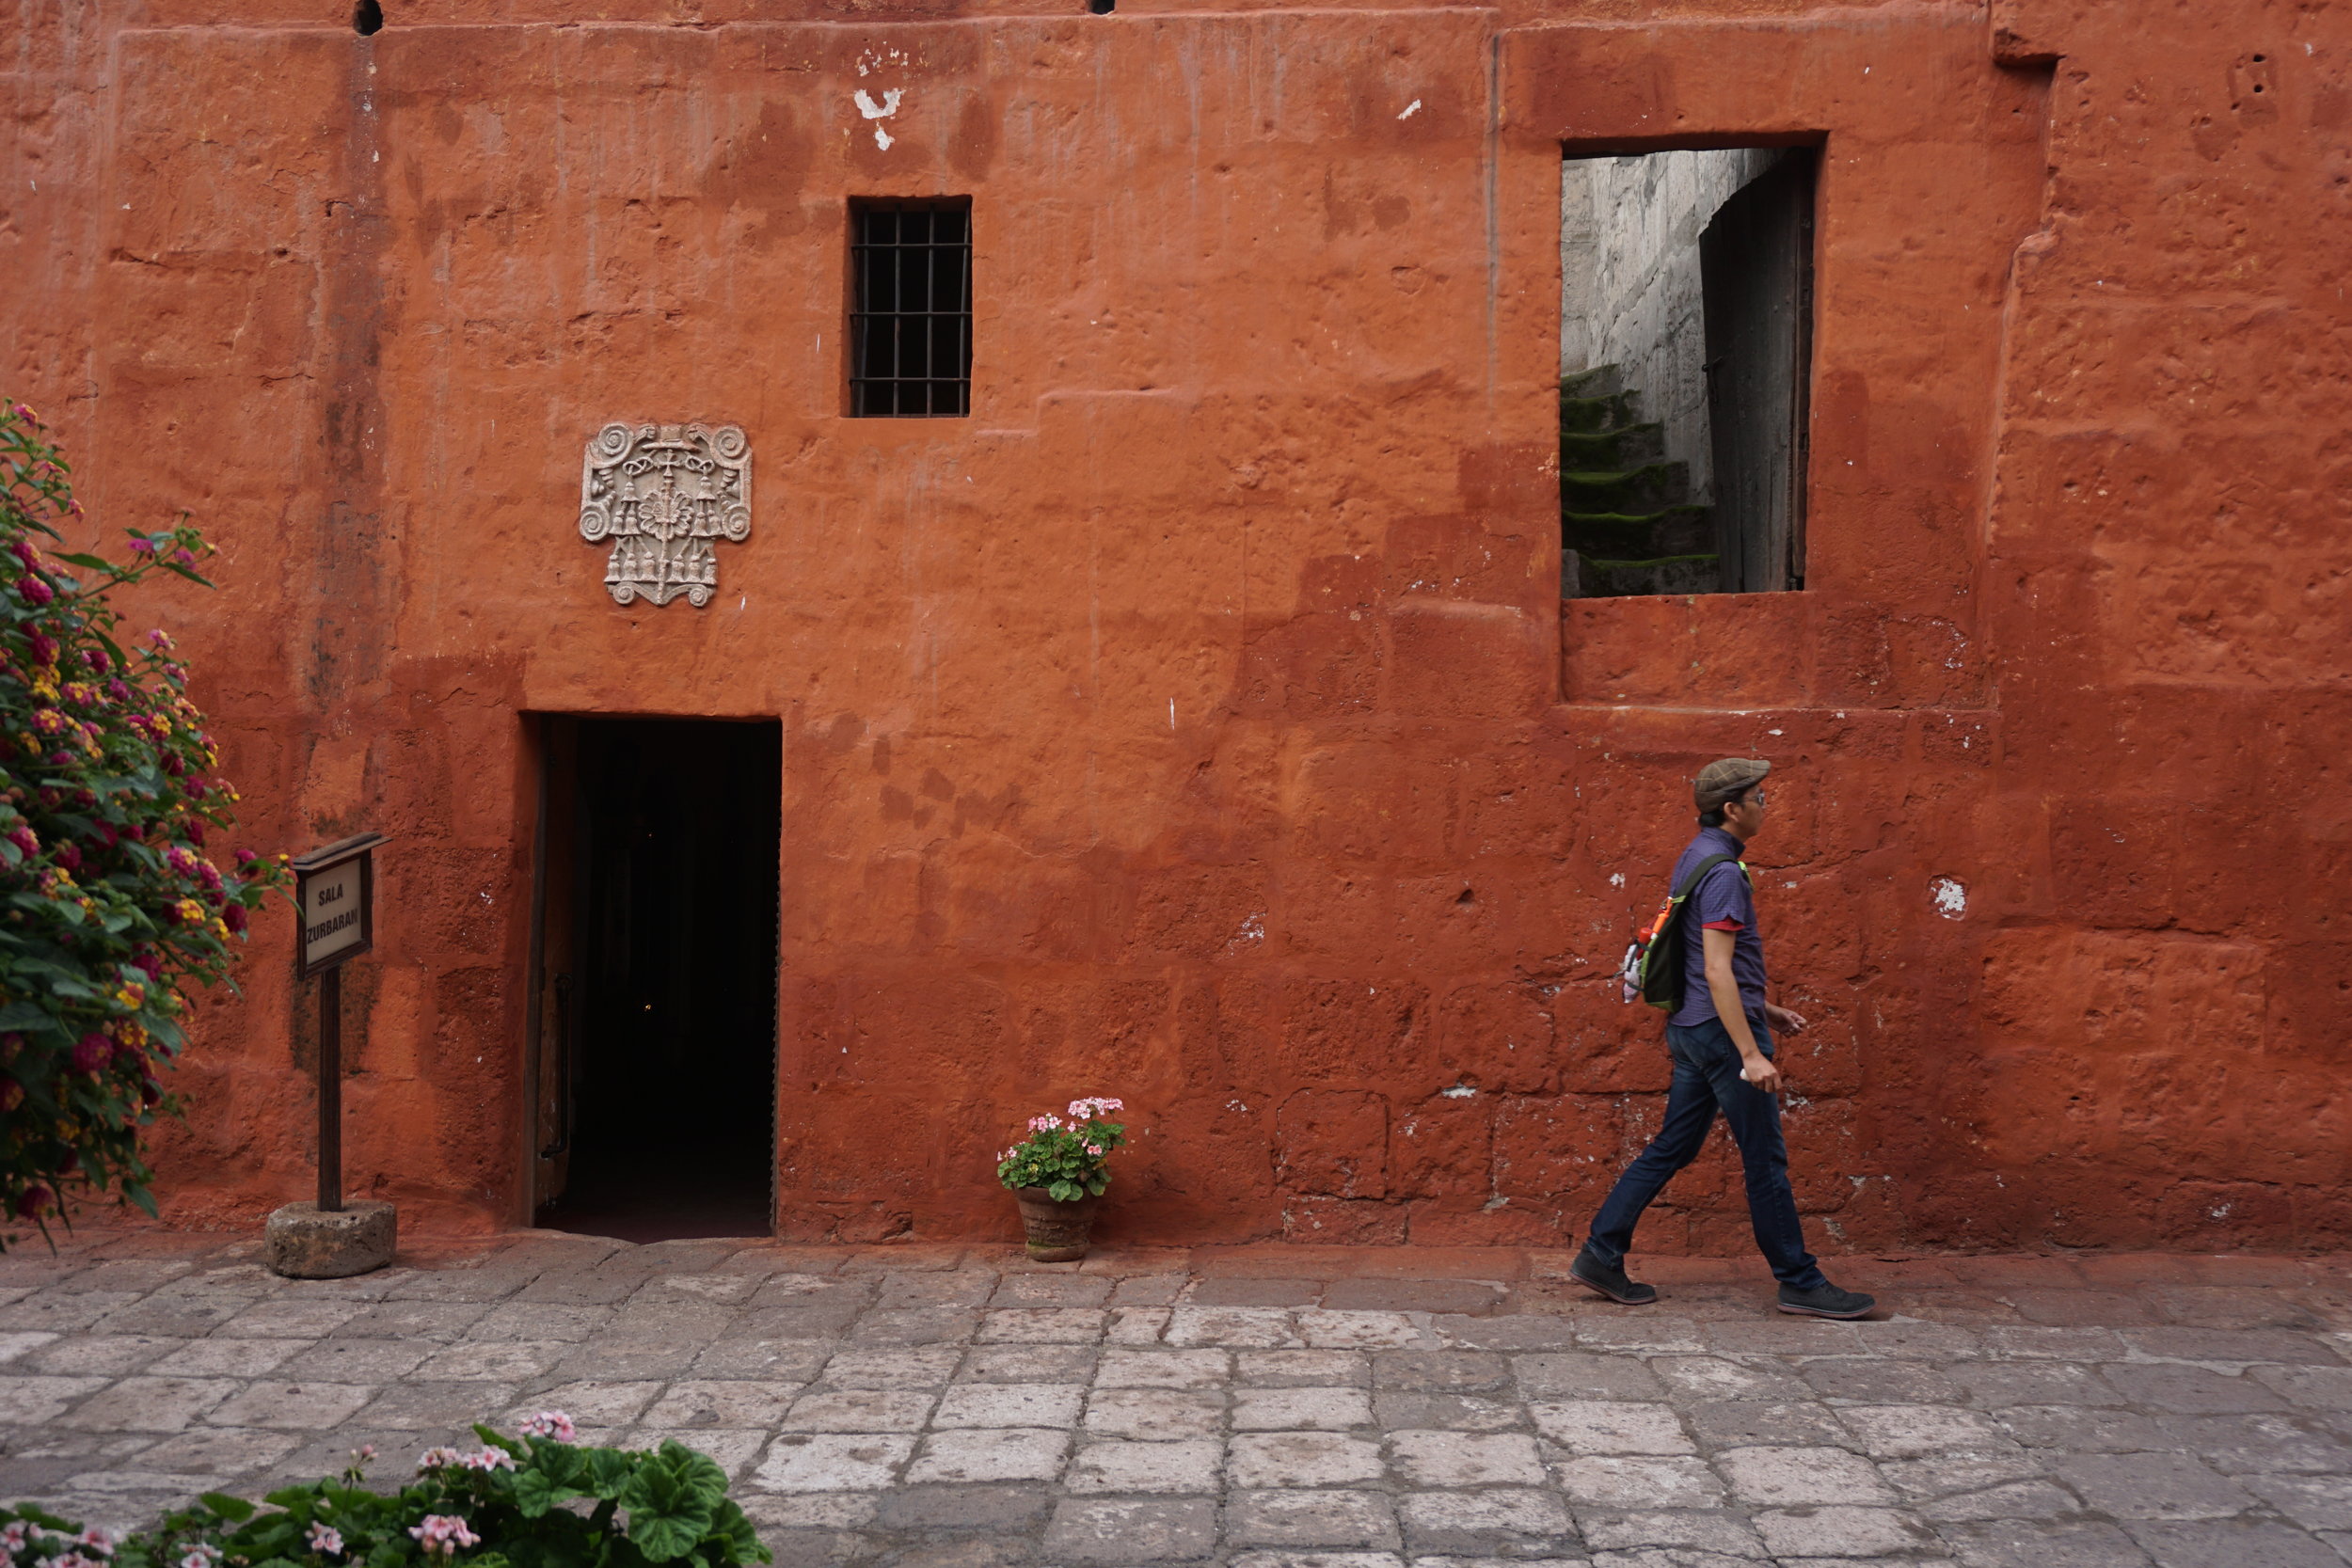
(1101, 8)
(367, 18)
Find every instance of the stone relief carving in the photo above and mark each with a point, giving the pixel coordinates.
(665, 494)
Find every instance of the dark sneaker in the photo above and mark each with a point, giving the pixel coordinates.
(1827, 1301)
(1594, 1275)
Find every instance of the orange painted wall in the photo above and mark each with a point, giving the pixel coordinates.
(1197, 723)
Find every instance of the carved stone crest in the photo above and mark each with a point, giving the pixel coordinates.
(665, 494)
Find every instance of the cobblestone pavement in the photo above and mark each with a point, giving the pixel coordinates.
(1262, 1407)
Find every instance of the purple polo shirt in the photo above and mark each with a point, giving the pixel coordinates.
(1723, 901)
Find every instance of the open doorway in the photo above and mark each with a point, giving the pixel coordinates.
(1685, 349)
(654, 1027)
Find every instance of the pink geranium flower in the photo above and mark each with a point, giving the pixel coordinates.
(443, 1535)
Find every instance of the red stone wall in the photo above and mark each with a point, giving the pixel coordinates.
(1198, 721)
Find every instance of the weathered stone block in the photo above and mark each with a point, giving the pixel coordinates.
(304, 1241)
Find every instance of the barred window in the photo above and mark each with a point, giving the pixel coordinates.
(911, 311)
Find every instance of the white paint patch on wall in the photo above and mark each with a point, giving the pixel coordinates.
(1629, 281)
(883, 110)
(1951, 900)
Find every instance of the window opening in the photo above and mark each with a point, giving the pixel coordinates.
(911, 312)
(1685, 344)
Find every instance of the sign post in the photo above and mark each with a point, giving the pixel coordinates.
(335, 893)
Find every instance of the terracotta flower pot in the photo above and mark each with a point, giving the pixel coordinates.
(1059, 1232)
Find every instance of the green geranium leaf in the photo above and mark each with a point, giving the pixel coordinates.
(536, 1492)
(235, 1510)
(671, 1501)
(607, 1470)
(733, 1528)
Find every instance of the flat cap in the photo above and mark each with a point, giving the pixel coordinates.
(1722, 781)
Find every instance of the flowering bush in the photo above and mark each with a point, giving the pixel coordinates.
(1065, 1158)
(503, 1505)
(31, 1539)
(108, 903)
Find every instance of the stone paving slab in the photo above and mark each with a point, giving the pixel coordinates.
(1249, 1407)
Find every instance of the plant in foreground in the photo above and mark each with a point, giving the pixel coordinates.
(534, 1501)
(1066, 1158)
(110, 904)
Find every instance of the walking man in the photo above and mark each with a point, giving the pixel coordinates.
(1721, 1039)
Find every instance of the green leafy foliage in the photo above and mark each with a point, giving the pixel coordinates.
(1066, 1158)
(538, 1501)
(110, 907)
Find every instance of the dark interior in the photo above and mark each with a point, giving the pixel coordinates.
(669, 1034)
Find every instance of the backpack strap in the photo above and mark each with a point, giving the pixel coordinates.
(1698, 874)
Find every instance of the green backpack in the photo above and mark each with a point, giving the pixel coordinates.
(1653, 970)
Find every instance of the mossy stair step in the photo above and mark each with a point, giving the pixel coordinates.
(1627, 525)
(1594, 415)
(1640, 535)
(1599, 450)
(1651, 487)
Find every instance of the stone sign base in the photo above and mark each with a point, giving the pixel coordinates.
(306, 1242)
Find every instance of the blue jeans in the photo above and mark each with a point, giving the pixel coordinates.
(1707, 1079)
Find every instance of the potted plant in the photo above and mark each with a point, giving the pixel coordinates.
(1056, 1176)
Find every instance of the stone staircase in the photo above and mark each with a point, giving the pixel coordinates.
(1627, 524)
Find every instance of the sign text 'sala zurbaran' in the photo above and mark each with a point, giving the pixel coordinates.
(337, 903)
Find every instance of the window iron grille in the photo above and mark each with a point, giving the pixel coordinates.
(911, 314)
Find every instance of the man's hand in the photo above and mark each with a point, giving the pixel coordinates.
(1759, 1070)
(1783, 1019)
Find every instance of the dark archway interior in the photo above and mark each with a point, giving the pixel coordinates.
(674, 946)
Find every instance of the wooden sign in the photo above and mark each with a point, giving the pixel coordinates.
(335, 889)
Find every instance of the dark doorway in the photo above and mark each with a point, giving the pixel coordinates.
(1757, 259)
(655, 1033)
